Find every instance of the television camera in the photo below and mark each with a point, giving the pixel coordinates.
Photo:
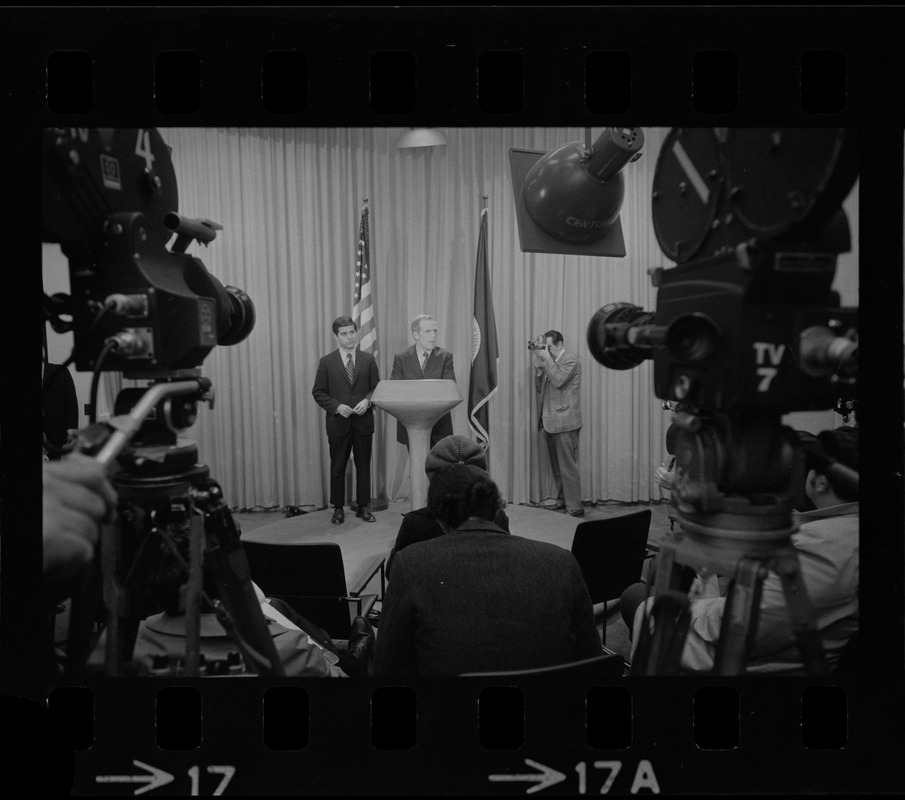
(154, 314)
(747, 328)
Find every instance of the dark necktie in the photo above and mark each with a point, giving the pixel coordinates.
(350, 368)
(424, 357)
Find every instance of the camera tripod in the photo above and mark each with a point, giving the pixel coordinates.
(744, 535)
(659, 652)
(161, 485)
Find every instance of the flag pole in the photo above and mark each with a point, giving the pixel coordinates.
(365, 317)
(482, 383)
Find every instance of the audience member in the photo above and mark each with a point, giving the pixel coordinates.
(827, 547)
(421, 524)
(478, 599)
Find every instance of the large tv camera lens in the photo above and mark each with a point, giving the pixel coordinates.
(241, 316)
(618, 335)
(693, 337)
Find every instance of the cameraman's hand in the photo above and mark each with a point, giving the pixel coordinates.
(664, 477)
(344, 411)
(77, 497)
(361, 408)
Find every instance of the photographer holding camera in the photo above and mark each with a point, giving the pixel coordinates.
(557, 380)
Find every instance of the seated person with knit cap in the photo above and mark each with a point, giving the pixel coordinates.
(478, 599)
(827, 547)
(421, 524)
(304, 649)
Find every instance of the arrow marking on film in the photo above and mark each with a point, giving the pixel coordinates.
(154, 780)
(546, 777)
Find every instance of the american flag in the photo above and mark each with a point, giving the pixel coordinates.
(363, 308)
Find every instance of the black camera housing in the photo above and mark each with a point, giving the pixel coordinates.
(111, 201)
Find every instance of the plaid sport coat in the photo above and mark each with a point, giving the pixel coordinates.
(558, 386)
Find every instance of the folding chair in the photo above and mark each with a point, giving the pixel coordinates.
(611, 553)
(310, 577)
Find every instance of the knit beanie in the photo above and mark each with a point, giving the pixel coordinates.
(455, 450)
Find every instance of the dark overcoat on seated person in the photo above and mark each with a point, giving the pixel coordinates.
(421, 525)
(478, 599)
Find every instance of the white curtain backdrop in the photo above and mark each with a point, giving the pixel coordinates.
(289, 201)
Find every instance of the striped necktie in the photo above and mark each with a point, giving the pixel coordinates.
(350, 368)
(424, 357)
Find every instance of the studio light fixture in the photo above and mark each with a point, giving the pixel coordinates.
(421, 137)
(568, 200)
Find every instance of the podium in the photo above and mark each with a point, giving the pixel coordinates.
(418, 405)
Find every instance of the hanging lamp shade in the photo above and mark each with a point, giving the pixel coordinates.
(422, 137)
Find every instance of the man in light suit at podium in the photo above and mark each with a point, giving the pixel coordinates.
(346, 379)
(424, 360)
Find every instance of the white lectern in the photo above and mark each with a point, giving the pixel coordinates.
(417, 405)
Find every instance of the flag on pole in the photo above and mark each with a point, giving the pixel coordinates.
(363, 307)
(365, 319)
(485, 353)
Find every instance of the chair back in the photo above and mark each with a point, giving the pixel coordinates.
(309, 576)
(611, 553)
(608, 665)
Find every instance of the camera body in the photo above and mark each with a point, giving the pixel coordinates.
(747, 326)
(111, 202)
(537, 344)
(742, 333)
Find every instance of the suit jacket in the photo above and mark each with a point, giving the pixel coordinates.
(61, 405)
(332, 389)
(439, 366)
(478, 599)
(558, 387)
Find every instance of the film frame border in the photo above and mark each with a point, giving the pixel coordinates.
(231, 43)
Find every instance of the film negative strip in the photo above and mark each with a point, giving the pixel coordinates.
(803, 67)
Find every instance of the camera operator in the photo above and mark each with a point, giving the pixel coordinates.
(827, 548)
(557, 380)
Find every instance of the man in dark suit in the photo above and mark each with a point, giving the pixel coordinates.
(346, 379)
(424, 360)
(61, 408)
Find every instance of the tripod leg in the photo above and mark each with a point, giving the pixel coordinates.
(193, 597)
(801, 613)
(659, 652)
(739, 626)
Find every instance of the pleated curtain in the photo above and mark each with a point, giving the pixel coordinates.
(289, 201)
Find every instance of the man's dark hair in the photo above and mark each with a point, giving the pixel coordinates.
(840, 444)
(556, 336)
(342, 322)
(461, 491)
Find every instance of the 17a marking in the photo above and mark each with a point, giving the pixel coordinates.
(644, 776)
